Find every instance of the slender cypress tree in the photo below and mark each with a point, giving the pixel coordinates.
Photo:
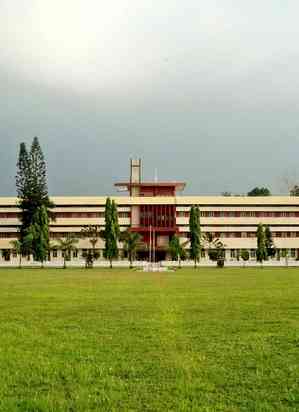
(261, 251)
(175, 249)
(115, 231)
(108, 235)
(107, 231)
(194, 227)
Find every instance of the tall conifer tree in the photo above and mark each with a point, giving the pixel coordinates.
(194, 227)
(38, 172)
(38, 234)
(23, 173)
(32, 191)
(23, 193)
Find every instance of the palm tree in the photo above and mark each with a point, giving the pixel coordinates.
(66, 246)
(207, 237)
(131, 242)
(17, 247)
(244, 256)
(92, 233)
(216, 249)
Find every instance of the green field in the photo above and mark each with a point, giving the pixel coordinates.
(120, 340)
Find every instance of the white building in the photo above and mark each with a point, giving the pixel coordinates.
(157, 211)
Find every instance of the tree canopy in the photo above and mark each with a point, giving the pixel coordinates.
(294, 191)
(259, 191)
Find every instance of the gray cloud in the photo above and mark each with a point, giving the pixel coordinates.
(207, 93)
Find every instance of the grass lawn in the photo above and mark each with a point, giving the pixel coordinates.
(120, 340)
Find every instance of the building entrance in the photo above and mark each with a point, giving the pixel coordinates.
(159, 255)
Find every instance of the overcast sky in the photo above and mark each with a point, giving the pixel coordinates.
(206, 91)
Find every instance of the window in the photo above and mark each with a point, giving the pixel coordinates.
(180, 214)
(293, 253)
(54, 253)
(123, 214)
(9, 215)
(203, 253)
(8, 235)
(75, 254)
(232, 253)
(252, 253)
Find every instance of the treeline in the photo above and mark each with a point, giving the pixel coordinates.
(264, 191)
(36, 213)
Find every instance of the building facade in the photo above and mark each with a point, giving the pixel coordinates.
(158, 210)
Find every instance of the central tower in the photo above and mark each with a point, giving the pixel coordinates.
(154, 216)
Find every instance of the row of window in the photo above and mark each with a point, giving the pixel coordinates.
(236, 253)
(247, 234)
(69, 215)
(219, 235)
(88, 214)
(240, 214)
(14, 215)
(82, 215)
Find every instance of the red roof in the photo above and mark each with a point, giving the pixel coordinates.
(177, 185)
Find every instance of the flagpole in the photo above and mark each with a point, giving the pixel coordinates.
(154, 246)
(150, 244)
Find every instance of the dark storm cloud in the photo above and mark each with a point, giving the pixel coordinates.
(202, 92)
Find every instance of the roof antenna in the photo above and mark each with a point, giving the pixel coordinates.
(156, 175)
